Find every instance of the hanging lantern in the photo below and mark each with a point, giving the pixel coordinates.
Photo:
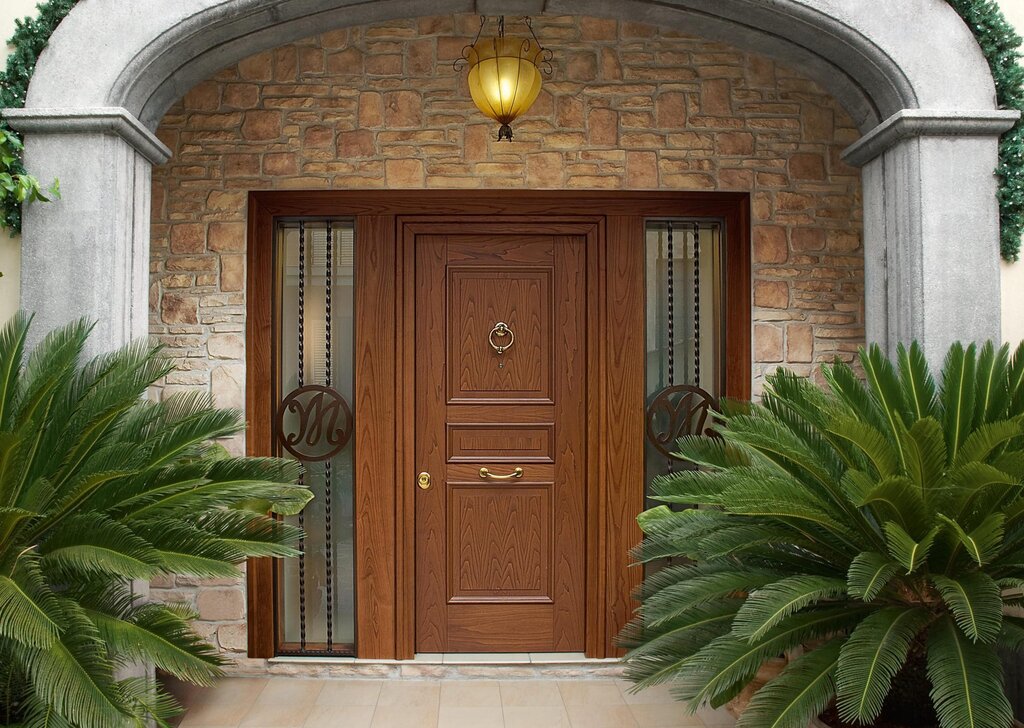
(505, 74)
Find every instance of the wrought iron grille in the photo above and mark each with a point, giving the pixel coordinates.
(684, 336)
(314, 423)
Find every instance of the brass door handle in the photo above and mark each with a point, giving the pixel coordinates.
(423, 480)
(486, 474)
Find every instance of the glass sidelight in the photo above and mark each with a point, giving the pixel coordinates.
(684, 374)
(314, 423)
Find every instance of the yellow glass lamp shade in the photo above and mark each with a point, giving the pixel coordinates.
(504, 78)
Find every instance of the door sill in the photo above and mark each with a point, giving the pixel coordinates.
(455, 658)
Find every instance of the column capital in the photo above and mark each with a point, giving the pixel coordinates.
(910, 123)
(104, 120)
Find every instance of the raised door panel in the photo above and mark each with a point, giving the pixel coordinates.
(499, 542)
(480, 299)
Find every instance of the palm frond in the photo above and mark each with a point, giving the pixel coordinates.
(872, 657)
(12, 352)
(967, 680)
(910, 553)
(983, 543)
(768, 605)
(976, 604)
(919, 388)
(885, 388)
(798, 694)
(75, 677)
(161, 634)
(991, 393)
(728, 660)
(869, 574)
(958, 395)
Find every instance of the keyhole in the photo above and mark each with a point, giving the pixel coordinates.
(501, 365)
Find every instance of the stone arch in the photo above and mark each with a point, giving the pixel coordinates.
(928, 119)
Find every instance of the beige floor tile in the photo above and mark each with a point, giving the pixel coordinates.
(454, 716)
(543, 717)
(590, 692)
(340, 716)
(410, 694)
(402, 716)
(664, 715)
(290, 691)
(601, 716)
(225, 716)
(349, 692)
(470, 694)
(530, 693)
(720, 718)
(658, 694)
(222, 705)
(277, 715)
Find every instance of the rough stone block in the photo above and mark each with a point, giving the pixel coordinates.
(188, 238)
(221, 604)
(227, 237)
(771, 294)
(179, 309)
(770, 245)
(261, 125)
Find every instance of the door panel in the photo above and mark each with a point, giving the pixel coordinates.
(500, 560)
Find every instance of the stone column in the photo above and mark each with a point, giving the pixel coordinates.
(87, 254)
(931, 228)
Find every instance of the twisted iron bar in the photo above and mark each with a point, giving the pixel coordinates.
(696, 303)
(327, 465)
(302, 478)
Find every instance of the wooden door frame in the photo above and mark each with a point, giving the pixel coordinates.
(384, 304)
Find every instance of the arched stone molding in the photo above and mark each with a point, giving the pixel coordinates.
(909, 73)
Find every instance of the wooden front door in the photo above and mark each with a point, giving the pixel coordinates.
(500, 398)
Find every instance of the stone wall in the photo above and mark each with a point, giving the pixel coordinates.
(629, 107)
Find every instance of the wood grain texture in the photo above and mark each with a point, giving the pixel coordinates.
(481, 296)
(431, 255)
(624, 423)
(375, 418)
(507, 542)
(259, 387)
(500, 442)
(499, 538)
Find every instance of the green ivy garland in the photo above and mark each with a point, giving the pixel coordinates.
(1001, 45)
(30, 38)
(997, 38)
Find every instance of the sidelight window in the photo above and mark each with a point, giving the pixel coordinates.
(684, 334)
(314, 293)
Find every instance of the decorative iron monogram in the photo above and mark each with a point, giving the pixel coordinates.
(678, 411)
(314, 423)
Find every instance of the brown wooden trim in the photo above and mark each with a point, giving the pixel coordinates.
(738, 313)
(405, 555)
(385, 418)
(375, 424)
(546, 203)
(259, 326)
(597, 266)
(624, 413)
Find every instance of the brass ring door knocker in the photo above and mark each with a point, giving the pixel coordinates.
(501, 331)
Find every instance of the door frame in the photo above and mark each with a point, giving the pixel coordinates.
(384, 300)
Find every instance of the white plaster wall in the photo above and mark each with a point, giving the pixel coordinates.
(1013, 273)
(10, 247)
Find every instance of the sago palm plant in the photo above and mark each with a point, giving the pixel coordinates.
(872, 533)
(99, 487)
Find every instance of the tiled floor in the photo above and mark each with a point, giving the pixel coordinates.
(285, 702)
